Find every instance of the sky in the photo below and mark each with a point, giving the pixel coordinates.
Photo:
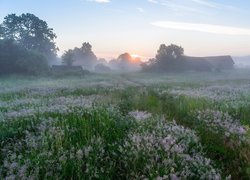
(112, 27)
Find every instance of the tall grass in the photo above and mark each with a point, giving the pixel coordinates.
(186, 136)
(232, 156)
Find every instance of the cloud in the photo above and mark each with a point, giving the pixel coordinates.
(141, 10)
(153, 1)
(207, 28)
(206, 3)
(181, 8)
(100, 1)
(192, 4)
(178, 6)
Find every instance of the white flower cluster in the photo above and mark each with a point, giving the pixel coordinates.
(30, 107)
(168, 148)
(161, 149)
(215, 92)
(140, 115)
(220, 122)
(41, 153)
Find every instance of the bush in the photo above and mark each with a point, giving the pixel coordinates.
(32, 63)
(15, 59)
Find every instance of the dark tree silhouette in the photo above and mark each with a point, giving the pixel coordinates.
(168, 59)
(124, 60)
(86, 47)
(171, 51)
(16, 59)
(68, 58)
(30, 32)
(83, 56)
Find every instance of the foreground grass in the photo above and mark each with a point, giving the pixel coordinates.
(102, 143)
(228, 152)
(79, 128)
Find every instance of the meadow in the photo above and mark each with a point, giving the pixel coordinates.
(126, 126)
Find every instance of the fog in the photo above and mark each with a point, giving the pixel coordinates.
(80, 116)
(242, 61)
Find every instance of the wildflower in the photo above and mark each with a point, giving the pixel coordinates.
(173, 177)
(87, 150)
(62, 158)
(79, 154)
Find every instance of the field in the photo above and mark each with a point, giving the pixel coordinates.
(126, 126)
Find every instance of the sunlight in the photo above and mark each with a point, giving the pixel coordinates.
(135, 56)
(108, 89)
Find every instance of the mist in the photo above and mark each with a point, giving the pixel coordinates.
(242, 61)
(68, 112)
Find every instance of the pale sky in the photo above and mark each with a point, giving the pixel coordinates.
(201, 27)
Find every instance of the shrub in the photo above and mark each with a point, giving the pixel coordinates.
(15, 59)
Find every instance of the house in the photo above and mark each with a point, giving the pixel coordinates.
(197, 64)
(221, 62)
(211, 63)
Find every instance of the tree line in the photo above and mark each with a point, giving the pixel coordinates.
(27, 46)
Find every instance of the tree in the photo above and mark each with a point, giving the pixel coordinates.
(30, 32)
(83, 56)
(1, 32)
(171, 51)
(86, 48)
(168, 58)
(102, 61)
(125, 58)
(125, 63)
(9, 52)
(68, 57)
(16, 59)
(102, 68)
(32, 63)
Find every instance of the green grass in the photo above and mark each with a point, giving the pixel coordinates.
(85, 143)
(181, 108)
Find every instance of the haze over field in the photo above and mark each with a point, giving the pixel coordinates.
(125, 89)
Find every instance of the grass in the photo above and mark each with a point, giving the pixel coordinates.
(181, 109)
(72, 140)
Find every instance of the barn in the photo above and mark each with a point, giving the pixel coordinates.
(221, 62)
(64, 69)
(210, 63)
(197, 64)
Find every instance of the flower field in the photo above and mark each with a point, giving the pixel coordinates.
(137, 126)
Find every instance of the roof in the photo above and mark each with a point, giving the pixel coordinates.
(66, 68)
(215, 62)
(220, 61)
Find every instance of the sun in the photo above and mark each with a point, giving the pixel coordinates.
(135, 56)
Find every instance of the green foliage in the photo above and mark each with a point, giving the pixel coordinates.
(84, 56)
(33, 63)
(68, 58)
(168, 59)
(80, 141)
(171, 51)
(30, 32)
(15, 59)
(241, 113)
(229, 155)
(60, 127)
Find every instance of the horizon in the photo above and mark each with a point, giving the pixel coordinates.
(114, 27)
